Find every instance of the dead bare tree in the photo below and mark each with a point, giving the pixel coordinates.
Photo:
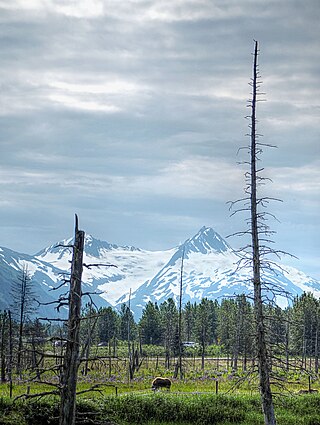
(10, 352)
(255, 251)
(3, 345)
(68, 360)
(263, 361)
(71, 358)
(91, 318)
(130, 351)
(22, 306)
(179, 360)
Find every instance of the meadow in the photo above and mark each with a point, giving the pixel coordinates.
(164, 409)
(213, 395)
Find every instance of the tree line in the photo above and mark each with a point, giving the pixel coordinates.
(227, 325)
(209, 328)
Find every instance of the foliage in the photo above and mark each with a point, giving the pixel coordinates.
(305, 325)
(164, 409)
(169, 321)
(222, 329)
(152, 350)
(127, 324)
(150, 324)
(108, 324)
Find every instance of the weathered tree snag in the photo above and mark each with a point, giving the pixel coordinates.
(10, 353)
(71, 358)
(3, 319)
(23, 297)
(263, 365)
(130, 363)
(179, 361)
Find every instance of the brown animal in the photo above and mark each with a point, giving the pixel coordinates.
(161, 383)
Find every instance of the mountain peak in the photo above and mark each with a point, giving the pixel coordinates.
(95, 247)
(204, 241)
(92, 247)
(209, 271)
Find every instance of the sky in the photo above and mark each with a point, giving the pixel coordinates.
(131, 114)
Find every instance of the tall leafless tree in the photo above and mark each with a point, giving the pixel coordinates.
(263, 361)
(71, 359)
(3, 344)
(22, 307)
(259, 246)
(179, 360)
(130, 362)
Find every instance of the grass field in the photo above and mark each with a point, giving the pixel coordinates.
(193, 400)
(165, 409)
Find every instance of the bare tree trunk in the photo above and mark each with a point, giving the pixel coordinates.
(18, 370)
(316, 353)
(179, 362)
(3, 347)
(287, 346)
(130, 362)
(35, 365)
(236, 344)
(245, 359)
(87, 346)
(167, 359)
(114, 346)
(21, 318)
(263, 365)
(10, 352)
(203, 348)
(71, 358)
(304, 348)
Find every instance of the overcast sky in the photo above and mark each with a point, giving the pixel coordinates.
(130, 113)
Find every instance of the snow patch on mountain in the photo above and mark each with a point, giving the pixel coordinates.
(119, 267)
(209, 270)
(301, 280)
(131, 272)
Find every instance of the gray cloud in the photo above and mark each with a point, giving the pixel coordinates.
(131, 113)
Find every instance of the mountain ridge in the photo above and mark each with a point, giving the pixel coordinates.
(209, 271)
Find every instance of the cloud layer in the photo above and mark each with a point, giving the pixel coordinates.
(131, 114)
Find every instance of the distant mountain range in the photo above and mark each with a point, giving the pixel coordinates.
(208, 271)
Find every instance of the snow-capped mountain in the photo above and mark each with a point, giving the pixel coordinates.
(43, 275)
(208, 271)
(121, 267)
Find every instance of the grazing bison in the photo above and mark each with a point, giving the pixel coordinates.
(161, 383)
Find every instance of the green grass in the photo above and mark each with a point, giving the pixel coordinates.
(227, 384)
(165, 409)
(191, 401)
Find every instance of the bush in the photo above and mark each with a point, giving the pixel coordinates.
(198, 409)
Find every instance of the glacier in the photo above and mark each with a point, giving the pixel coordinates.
(209, 270)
